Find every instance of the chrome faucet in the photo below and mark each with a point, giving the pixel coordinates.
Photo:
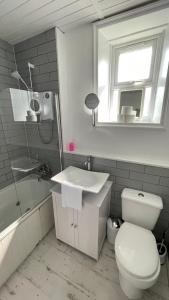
(88, 163)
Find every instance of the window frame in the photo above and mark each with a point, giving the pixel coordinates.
(139, 44)
(122, 17)
(155, 40)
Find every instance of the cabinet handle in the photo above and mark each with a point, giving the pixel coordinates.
(72, 224)
(75, 226)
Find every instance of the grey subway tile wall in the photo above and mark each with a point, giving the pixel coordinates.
(130, 166)
(137, 176)
(164, 181)
(145, 177)
(40, 50)
(7, 65)
(50, 157)
(14, 135)
(9, 131)
(16, 138)
(157, 171)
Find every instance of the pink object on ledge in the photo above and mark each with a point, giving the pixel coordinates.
(71, 147)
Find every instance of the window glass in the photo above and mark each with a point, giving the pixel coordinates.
(132, 98)
(135, 65)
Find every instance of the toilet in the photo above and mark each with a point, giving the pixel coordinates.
(135, 245)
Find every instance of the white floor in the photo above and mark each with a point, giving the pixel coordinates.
(58, 272)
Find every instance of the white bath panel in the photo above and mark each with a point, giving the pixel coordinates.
(20, 238)
(18, 243)
(12, 253)
(46, 216)
(31, 232)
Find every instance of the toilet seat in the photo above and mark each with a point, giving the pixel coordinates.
(139, 283)
(136, 251)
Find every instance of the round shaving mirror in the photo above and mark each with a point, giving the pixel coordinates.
(91, 101)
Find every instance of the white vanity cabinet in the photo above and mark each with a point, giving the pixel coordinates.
(84, 230)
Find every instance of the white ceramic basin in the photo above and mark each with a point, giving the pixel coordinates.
(86, 180)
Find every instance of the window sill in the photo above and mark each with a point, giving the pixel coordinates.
(131, 125)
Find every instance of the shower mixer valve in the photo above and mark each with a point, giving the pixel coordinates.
(44, 172)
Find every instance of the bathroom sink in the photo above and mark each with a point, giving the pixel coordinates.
(86, 180)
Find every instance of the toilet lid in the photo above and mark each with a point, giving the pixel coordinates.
(136, 250)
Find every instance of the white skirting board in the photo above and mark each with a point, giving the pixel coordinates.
(20, 238)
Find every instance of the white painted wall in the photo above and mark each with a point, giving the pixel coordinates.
(142, 145)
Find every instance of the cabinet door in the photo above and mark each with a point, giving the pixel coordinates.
(63, 221)
(86, 230)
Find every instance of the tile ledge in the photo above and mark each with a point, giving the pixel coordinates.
(159, 164)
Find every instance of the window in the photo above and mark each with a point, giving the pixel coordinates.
(131, 68)
(133, 76)
(134, 64)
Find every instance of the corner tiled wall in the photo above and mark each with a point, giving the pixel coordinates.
(137, 176)
(51, 157)
(7, 128)
(15, 137)
(40, 50)
(7, 65)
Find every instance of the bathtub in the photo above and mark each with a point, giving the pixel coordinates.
(27, 192)
(26, 215)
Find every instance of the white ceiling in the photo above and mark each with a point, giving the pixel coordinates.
(21, 19)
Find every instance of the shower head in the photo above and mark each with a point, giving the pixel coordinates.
(17, 76)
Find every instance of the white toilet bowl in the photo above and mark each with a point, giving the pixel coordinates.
(137, 259)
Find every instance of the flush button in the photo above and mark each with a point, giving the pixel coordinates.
(140, 194)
